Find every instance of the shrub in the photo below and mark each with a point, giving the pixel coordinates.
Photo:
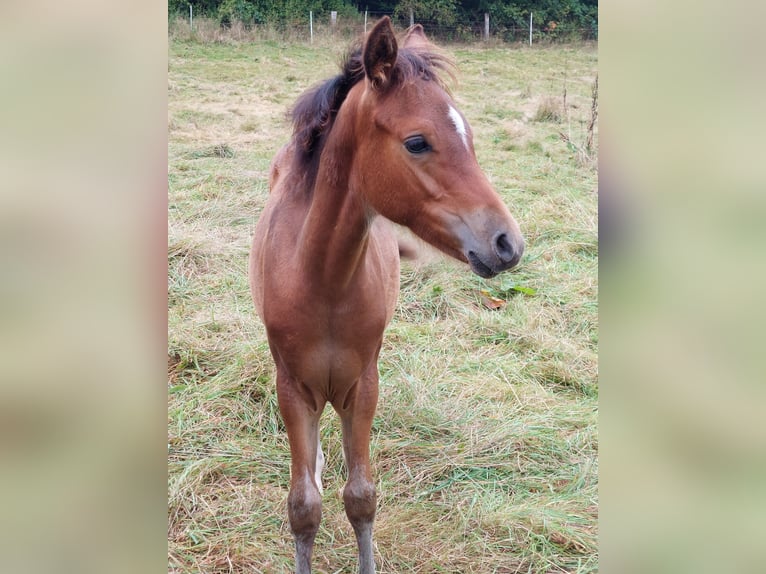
(239, 10)
(549, 110)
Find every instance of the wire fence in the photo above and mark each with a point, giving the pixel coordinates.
(487, 29)
(348, 26)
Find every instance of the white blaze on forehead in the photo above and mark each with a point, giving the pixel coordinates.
(457, 120)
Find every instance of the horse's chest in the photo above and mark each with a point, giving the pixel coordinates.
(328, 346)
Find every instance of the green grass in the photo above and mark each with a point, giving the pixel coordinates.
(484, 445)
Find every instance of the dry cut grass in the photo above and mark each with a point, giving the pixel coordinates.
(484, 445)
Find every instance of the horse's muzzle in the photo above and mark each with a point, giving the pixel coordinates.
(504, 253)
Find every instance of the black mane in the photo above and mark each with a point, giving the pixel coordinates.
(315, 110)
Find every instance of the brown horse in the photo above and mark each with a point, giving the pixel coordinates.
(383, 138)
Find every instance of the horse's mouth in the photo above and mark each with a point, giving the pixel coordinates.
(478, 267)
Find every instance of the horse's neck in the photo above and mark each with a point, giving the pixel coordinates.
(334, 237)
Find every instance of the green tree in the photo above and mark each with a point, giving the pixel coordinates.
(570, 16)
(441, 12)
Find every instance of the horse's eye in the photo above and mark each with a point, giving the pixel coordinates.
(417, 145)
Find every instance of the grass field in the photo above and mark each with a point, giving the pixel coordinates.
(484, 446)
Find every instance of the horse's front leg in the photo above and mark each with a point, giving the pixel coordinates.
(359, 495)
(301, 412)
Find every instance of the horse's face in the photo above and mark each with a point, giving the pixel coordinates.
(419, 169)
(426, 177)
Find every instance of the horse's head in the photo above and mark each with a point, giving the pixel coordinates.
(417, 164)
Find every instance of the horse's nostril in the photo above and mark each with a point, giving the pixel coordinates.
(503, 248)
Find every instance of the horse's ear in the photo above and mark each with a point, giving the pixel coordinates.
(379, 53)
(415, 36)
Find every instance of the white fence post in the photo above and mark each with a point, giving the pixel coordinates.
(311, 25)
(530, 28)
(412, 18)
(486, 25)
(191, 18)
(333, 18)
(365, 21)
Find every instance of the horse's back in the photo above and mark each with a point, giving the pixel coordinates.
(275, 218)
(280, 165)
(278, 171)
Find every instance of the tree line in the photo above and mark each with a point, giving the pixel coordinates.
(555, 17)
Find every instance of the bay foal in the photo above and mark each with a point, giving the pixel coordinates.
(381, 141)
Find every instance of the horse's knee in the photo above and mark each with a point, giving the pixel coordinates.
(304, 509)
(359, 498)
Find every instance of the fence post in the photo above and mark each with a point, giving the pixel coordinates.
(333, 19)
(191, 18)
(412, 18)
(311, 25)
(365, 20)
(486, 26)
(530, 29)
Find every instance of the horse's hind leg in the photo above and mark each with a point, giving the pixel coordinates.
(304, 504)
(359, 495)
